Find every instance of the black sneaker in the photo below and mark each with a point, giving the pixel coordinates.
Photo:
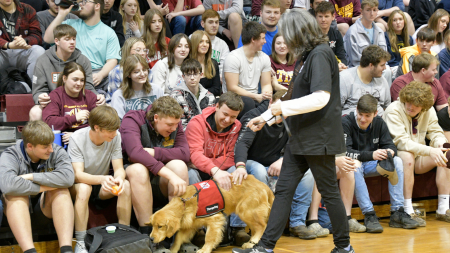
(255, 249)
(339, 250)
(371, 223)
(400, 219)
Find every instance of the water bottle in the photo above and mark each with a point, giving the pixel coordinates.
(67, 3)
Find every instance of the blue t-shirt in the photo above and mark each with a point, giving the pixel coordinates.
(98, 43)
(267, 48)
(369, 32)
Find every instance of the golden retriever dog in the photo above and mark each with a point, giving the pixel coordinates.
(251, 201)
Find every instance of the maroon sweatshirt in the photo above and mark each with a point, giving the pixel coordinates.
(61, 112)
(166, 149)
(346, 10)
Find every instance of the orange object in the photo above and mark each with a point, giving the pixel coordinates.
(115, 190)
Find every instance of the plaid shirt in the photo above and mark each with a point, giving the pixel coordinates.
(27, 25)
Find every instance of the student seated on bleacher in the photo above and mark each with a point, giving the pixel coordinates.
(444, 55)
(95, 40)
(260, 153)
(70, 103)
(367, 78)
(368, 141)
(425, 40)
(20, 37)
(313, 4)
(247, 66)
(166, 72)
(424, 69)
(136, 92)
(113, 19)
(270, 15)
(133, 25)
(190, 94)
(363, 33)
(155, 36)
(212, 136)
(132, 46)
(93, 151)
(35, 175)
(156, 153)
(185, 16)
(410, 120)
(232, 17)
(202, 51)
(283, 64)
(347, 13)
(51, 64)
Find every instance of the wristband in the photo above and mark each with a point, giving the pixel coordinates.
(240, 166)
(7, 46)
(240, 163)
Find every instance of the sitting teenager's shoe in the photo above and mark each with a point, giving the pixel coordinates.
(355, 227)
(303, 232)
(188, 248)
(80, 247)
(371, 223)
(239, 236)
(340, 250)
(319, 230)
(422, 222)
(400, 219)
(255, 249)
(444, 217)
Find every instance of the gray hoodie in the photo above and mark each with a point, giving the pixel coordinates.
(56, 172)
(48, 67)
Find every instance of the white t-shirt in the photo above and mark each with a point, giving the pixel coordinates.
(164, 78)
(249, 72)
(96, 159)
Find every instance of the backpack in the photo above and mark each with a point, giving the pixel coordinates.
(124, 240)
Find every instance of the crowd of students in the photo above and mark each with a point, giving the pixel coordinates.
(151, 97)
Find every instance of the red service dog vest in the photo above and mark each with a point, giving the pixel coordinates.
(209, 199)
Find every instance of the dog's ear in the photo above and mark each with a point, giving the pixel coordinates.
(150, 222)
(173, 225)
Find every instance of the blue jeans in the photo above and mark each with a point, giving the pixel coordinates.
(179, 25)
(194, 178)
(369, 169)
(1, 211)
(302, 196)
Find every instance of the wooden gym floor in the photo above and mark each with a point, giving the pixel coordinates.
(434, 238)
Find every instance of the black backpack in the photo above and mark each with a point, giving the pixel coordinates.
(124, 240)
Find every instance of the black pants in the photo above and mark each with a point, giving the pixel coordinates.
(324, 172)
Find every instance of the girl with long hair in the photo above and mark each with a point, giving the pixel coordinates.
(202, 51)
(131, 18)
(438, 22)
(70, 102)
(136, 92)
(397, 37)
(155, 36)
(167, 72)
(133, 45)
(282, 62)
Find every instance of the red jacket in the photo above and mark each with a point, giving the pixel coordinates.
(27, 25)
(210, 149)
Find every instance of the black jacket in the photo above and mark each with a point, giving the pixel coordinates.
(264, 146)
(421, 10)
(360, 143)
(337, 44)
(114, 20)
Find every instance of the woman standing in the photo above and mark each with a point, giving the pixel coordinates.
(315, 121)
(202, 51)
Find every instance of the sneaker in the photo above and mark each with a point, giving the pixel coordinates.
(444, 217)
(371, 223)
(400, 219)
(240, 236)
(422, 222)
(255, 249)
(319, 230)
(80, 247)
(339, 250)
(355, 227)
(303, 232)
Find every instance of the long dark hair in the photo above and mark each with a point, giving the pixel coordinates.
(173, 44)
(69, 69)
(148, 38)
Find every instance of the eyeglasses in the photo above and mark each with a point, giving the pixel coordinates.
(139, 50)
(83, 2)
(192, 75)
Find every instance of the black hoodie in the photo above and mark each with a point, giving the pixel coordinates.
(361, 143)
(264, 146)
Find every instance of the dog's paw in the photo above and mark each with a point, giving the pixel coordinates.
(203, 251)
(248, 245)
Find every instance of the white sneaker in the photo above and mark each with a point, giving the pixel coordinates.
(80, 247)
